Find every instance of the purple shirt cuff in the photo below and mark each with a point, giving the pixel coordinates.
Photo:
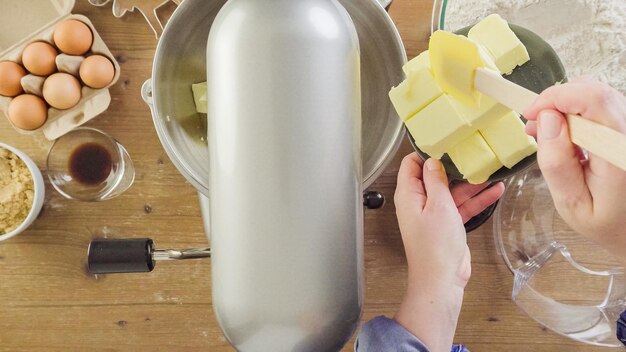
(382, 334)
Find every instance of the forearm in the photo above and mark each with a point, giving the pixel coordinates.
(431, 313)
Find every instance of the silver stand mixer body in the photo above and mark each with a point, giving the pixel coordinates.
(284, 130)
(284, 167)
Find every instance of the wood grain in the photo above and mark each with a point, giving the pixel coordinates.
(48, 302)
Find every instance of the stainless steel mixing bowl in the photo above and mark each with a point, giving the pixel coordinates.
(180, 60)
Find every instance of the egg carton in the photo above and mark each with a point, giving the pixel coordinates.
(18, 32)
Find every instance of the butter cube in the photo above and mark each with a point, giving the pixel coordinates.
(200, 97)
(412, 95)
(421, 61)
(438, 127)
(488, 111)
(474, 159)
(494, 33)
(508, 139)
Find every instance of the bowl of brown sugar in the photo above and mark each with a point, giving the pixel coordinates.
(22, 191)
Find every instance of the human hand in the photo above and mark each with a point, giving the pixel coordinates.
(588, 194)
(431, 216)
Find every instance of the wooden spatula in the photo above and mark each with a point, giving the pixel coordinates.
(599, 140)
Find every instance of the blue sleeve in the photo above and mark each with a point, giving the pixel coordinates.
(383, 334)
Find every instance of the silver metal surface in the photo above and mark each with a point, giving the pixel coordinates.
(285, 183)
(293, 282)
(180, 60)
(181, 254)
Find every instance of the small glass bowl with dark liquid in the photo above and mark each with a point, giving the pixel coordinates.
(89, 165)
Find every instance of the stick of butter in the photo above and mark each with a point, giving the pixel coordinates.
(508, 139)
(200, 97)
(487, 112)
(474, 159)
(494, 33)
(421, 61)
(414, 93)
(438, 127)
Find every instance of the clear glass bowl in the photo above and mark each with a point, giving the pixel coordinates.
(560, 279)
(112, 179)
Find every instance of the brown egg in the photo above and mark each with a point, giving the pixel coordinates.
(61, 91)
(73, 37)
(10, 75)
(97, 71)
(38, 58)
(28, 112)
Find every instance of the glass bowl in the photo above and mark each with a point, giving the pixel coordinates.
(89, 165)
(562, 280)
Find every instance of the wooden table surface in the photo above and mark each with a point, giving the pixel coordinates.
(49, 302)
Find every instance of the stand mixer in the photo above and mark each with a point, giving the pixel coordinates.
(289, 153)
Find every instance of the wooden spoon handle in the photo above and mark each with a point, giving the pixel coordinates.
(601, 141)
(597, 139)
(505, 92)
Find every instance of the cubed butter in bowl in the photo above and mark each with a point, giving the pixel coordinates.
(421, 61)
(487, 112)
(438, 127)
(474, 159)
(478, 140)
(200, 97)
(413, 94)
(508, 139)
(496, 36)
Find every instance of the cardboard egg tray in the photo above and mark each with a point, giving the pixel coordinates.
(17, 32)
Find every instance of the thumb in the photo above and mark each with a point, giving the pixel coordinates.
(436, 185)
(559, 161)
